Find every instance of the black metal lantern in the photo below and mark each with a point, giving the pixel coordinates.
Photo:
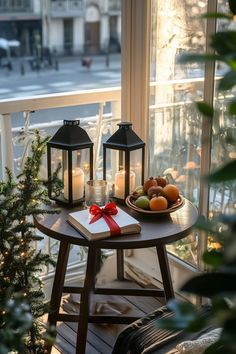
(72, 150)
(123, 161)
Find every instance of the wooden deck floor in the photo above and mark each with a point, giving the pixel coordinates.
(101, 337)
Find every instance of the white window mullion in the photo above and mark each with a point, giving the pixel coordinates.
(206, 129)
(135, 63)
(126, 26)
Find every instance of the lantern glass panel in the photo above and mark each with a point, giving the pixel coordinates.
(80, 170)
(119, 175)
(83, 161)
(56, 162)
(115, 172)
(77, 175)
(136, 168)
(113, 166)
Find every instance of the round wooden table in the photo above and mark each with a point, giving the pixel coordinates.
(156, 232)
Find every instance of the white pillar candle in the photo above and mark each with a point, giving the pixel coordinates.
(120, 183)
(77, 184)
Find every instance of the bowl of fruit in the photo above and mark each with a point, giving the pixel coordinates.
(157, 196)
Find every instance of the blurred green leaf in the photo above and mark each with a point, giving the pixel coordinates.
(229, 330)
(232, 6)
(224, 43)
(217, 15)
(210, 227)
(227, 338)
(228, 81)
(210, 284)
(180, 307)
(232, 108)
(185, 317)
(223, 174)
(213, 258)
(216, 348)
(219, 304)
(232, 63)
(205, 109)
(228, 219)
(201, 58)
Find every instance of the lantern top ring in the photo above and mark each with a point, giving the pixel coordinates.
(71, 122)
(125, 125)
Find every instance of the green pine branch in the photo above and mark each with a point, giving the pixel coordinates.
(20, 263)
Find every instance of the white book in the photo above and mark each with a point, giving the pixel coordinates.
(99, 229)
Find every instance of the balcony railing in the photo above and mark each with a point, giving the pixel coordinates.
(114, 5)
(96, 126)
(14, 6)
(67, 8)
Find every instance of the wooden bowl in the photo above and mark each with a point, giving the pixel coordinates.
(177, 205)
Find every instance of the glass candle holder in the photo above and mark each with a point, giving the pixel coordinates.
(96, 192)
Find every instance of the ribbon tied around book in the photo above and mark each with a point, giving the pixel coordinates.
(106, 213)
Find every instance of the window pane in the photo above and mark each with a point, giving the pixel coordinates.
(174, 123)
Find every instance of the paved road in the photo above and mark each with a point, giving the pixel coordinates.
(71, 76)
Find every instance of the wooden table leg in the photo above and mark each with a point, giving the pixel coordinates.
(98, 260)
(58, 284)
(120, 264)
(89, 284)
(165, 272)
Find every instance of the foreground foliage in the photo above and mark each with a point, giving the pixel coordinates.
(219, 284)
(22, 300)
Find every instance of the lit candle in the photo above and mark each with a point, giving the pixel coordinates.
(77, 184)
(120, 183)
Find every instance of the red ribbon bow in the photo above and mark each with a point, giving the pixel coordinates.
(106, 212)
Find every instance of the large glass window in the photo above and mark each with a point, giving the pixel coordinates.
(175, 125)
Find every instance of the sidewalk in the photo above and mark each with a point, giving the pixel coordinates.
(99, 62)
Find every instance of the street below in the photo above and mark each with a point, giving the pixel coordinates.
(70, 76)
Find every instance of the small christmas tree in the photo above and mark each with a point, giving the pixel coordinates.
(20, 262)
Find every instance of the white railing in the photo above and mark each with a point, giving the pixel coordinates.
(96, 125)
(58, 100)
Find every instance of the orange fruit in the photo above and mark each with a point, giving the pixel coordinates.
(158, 203)
(171, 192)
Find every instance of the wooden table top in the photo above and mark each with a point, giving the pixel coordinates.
(155, 229)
